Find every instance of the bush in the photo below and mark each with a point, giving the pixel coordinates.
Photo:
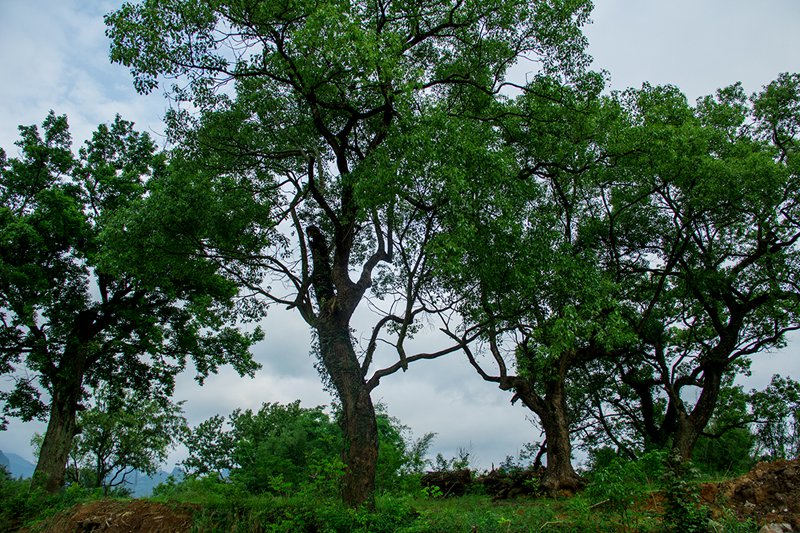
(620, 483)
(286, 449)
(682, 510)
(19, 505)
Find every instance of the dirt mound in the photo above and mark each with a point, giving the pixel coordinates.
(114, 516)
(770, 493)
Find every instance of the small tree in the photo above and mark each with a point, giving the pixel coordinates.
(210, 447)
(776, 410)
(121, 434)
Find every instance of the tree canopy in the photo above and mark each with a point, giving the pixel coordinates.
(705, 244)
(646, 248)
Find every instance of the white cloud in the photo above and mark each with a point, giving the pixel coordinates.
(697, 46)
(56, 58)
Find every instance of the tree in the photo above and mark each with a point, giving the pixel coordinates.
(121, 434)
(325, 97)
(524, 258)
(83, 301)
(776, 410)
(210, 448)
(705, 241)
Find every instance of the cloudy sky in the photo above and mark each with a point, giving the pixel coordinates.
(55, 56)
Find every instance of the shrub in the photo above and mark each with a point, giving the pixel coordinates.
(682, 510)
(620, 483)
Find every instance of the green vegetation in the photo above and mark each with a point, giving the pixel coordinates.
(279, 469)
(620, 496)
(20, 505)
(335, 136)
(283, 449)
(90, 299)
(120, 434)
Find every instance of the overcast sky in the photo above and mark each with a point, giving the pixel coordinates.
(55, 56)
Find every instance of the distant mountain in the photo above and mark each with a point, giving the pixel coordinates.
(142, 485)
(16, 465)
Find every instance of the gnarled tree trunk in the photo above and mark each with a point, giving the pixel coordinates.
(551, 409)
(338, 298)
(559, 474)
(62, 427)
(358, 413)
(690, 426)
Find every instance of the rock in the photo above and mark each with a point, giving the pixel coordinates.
(776, 528)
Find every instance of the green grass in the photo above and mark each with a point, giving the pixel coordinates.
(226, 507)
(405, 514)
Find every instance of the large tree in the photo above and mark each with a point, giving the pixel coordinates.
(325, 100)
(535, 292)
(705, 241)
(84, 301)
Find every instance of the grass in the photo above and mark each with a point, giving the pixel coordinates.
(219, 506)
(403, 514)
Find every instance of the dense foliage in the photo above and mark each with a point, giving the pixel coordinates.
(283, 449)
(643, 253)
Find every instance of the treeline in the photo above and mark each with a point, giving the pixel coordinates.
(612, 261)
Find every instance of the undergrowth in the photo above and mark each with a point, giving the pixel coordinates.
(619, 497)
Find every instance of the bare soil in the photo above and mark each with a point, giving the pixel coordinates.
(113, 516)
(770, 493)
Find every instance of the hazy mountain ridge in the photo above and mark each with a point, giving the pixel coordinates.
(140, 483)
(16, 465)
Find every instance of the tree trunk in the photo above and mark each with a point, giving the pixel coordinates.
(690, 425)
(338, 298)
(62, 427)
(359, 424)
(559, 476)
(685, 438)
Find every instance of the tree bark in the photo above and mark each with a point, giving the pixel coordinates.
(359, 424)
(690, 425)
(62, 427)
(559, 476)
